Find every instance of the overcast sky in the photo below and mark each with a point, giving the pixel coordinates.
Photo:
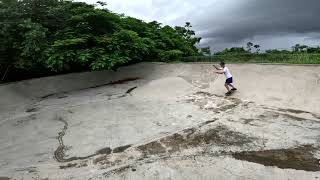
(227, 23)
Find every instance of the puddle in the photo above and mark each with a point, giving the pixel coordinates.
(300, 158)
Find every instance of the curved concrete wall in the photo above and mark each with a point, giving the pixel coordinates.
(17, 93)
(283, 85)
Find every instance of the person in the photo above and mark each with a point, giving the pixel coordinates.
(229, 80)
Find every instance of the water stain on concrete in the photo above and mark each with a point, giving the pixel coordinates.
(121, 149)
(62, 96)
(27, 120)
(288, 116)
(106, 150)
(4, 178)
(117, 170)
(69, 165)
(192, 138)
(32, 109)
(248, 120)
(294, 111)
(300, 158)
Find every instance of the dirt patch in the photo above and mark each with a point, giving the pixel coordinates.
(300, 158)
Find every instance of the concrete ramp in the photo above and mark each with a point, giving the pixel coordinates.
(163, 121)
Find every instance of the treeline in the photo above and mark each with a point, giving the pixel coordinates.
(299, 54)
(255, 49)
(44, 37)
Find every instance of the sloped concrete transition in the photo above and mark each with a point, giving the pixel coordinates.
(163, 121)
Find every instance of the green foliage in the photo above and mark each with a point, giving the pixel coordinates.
(233, 50)
(171, 55)
(301, 54)
(205, 51)
(66, 36)
(290, 58)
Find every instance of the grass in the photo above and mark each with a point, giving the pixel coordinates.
(298, 58)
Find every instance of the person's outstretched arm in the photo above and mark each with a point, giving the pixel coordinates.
(220, 70)
(217, 67)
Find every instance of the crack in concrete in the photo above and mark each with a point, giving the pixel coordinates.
(122, 81)
(59, 153)
(127, 92)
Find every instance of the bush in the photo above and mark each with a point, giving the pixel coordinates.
(172, 55)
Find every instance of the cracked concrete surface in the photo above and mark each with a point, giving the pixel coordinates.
(163, 121)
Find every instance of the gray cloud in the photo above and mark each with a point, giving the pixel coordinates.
(225, 23)
(256, 17)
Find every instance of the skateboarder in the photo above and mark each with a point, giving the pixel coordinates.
(224, 70)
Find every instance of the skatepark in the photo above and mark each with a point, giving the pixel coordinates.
(163, 121)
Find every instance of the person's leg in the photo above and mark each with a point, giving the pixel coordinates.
(233, 88)
(226, 85)
(229, 82)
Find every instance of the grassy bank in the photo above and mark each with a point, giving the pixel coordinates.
(298, 58)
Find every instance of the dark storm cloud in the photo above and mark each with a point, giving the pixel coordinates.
(261, 17)
(225, 23)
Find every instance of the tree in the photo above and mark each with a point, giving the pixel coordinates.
(249, 46)
(101, 3)
(205, 51)
(257, 47)
(233, 50)
(55, 36)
